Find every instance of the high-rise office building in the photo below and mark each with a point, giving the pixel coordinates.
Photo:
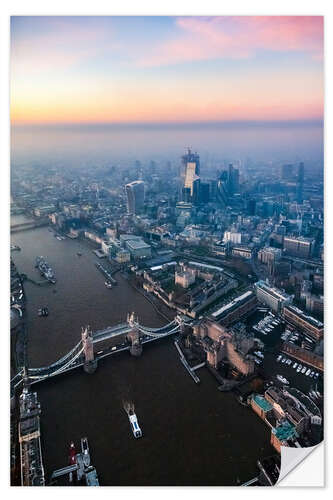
(224, 176)
(186, 195)
(190, 177)
(190, 158)
(233, 179)
(222, 192)
(213, 190)
(287, 172)
(236, 180)
(204, 192)
(135, 192)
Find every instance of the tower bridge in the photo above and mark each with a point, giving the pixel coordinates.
(83, 353)
(24, 226)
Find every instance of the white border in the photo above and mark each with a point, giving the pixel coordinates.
(142, 7)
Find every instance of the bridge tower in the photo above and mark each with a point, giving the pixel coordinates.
(25, 377)
(183, 334)
(181, 324)
(134, 337)
(90, 363)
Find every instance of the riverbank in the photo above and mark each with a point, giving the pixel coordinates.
(18, 327)
(156, 306)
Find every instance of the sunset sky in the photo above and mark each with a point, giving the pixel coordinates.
(68, 70)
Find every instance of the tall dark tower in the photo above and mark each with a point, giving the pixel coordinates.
(300, 183)
(230, 178)
(236, 180)
(233, 179)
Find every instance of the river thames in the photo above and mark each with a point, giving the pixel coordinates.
(192, 434)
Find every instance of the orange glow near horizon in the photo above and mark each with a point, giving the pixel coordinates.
(74, 70)
(164, 106)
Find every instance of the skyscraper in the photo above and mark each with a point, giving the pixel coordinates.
(230, 178)
(287, 172)
(204, 192)
(190, 176)
(222, 192)
(190, 157)
(233, 180)
(135, 192)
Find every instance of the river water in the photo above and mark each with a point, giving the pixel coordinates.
(193, 434)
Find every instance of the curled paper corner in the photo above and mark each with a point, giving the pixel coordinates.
(291, 458)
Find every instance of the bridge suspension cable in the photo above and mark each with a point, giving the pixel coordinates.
(159, 334)
(59, 370)
(58, 362)
(155, 330)
(17, 375)
(18, 383)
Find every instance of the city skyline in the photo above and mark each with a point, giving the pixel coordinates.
(87, 70)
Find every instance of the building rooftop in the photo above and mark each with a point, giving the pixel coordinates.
(305, 317)
(262, 402)
(272, 250)
(275, 292)
(302, 239)
(134, 183)
(243, 248)
(129, 237)
(232, 304)
(208, 266)
(137, 244)
(306, 403)
(157, 268)
(183, 274)
(285, 431)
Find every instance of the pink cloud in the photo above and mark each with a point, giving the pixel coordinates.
(237, 37)
(65, 44)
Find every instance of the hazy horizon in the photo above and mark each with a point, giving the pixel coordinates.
(75, 145)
